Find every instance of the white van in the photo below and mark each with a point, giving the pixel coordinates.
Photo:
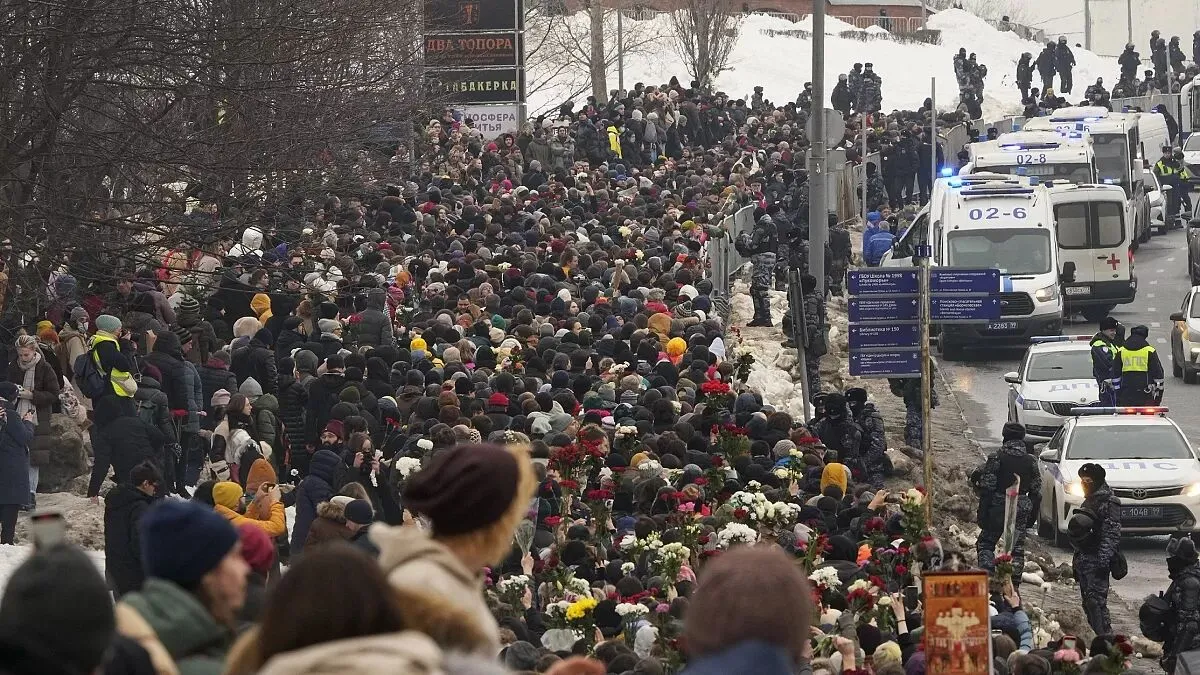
(1152, 130)
(1006, 224)
(1044, 154)
(1095, 232)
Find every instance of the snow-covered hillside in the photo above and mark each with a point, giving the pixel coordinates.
(782, 63)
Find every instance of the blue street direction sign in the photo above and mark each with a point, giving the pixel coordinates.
(890, 363)
(883, 309)
(953, 280)
(883, 282)
(964, 309)
(894, 334)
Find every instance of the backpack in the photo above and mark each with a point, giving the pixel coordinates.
(1155, 618)
(147, 412)
(89, 379)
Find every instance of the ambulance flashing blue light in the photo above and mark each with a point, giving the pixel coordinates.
(955, 182)
(947, 171)
(1122, 410)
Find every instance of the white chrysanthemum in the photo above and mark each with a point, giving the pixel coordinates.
(632, 609)
(736, 533)
(407, 466)
(826, 577)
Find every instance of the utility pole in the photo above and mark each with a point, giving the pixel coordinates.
(926, 364)
(863, 196)
(1087, 24)
(818, 220)
(799, 334)
(1129, 20)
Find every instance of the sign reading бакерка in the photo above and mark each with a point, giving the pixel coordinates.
(490, 85)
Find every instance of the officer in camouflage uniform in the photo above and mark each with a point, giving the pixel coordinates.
(764, 242)
(1012, 459)
(1095, 532)
(870, 93)
(854, 83)
(814, 327)
(874, 444)
(839, 244)
(909, 389)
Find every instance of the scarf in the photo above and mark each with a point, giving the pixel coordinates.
(25, 405)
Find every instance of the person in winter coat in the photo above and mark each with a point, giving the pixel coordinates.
(613, 129)
(878, 246)
(390, 632)
(293, 401)
(1095, 531)
(251, 244)
(1064, 62)
(186, 611)
(874, 444)
(1183, 595)
(231, 438)
(257, 360)
(128, 441)
(1025, 74)
(291, 337)
(373, 328)
(1137, 371)
(16, 434)
(314, 490)
(1160, 59)
(124, 507)
(39, 391)
(330, 523)
(323, 393)
(765, 608)
(475, 495)
(265, 510)
(1011, 463)
(1129, 61)
(1047, 64)
(1175, 55)
(838, 431)
(215, 375)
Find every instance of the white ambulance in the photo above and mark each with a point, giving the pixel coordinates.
(1095, 231)
(1044, 154)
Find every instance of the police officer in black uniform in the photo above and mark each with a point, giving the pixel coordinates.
(1003, 468)
(1095, 533)
(1104, 345)
(764, 243)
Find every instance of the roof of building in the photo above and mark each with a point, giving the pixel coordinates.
(876, 3)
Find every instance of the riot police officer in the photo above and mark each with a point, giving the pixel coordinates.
(1137, 371)
(1004, 467)
(1104, 354)
(764, 242)
(1095, 533)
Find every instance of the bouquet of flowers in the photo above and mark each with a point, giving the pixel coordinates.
(743, 361)
(814, 551)
(731, 440)
(718, 394)
(580, 617)
(1066, 661)
(556, 614)
(511, 592)
(1004, 566)
(635, 547)
(669, 559)
(861, 598)
(627, 438)
(1117, 659)
(599, 505)
(912, 515)
(631, 613)
(826, 579)
(735, 534)
(405, 468)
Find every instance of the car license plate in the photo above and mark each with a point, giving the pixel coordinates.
(1079, 290)
(1002, 325)
(1141, 512)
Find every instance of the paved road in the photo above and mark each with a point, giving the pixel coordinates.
(1160, 266)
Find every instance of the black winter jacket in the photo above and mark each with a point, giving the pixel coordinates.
(123, 444)
(316, 488)
(323, 394)
(214, 376)
(257, 361)
(124, 507)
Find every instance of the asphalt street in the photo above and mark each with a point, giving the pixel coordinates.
(978, 382)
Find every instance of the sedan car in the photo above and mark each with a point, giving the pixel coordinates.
(1185, 337)
(1150, 467)
(1054, 377)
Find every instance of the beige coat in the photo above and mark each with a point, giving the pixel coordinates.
(413, 561)
(407, 653)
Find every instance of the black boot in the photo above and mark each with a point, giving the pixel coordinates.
(762, 313)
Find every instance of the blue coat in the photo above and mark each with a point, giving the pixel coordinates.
(878, 245)
(316, 487)
(759, 658)
(15, 437)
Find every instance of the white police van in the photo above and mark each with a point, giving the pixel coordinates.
(1044, 154)
(1095, 233)
(1054, 378)
(1005, 222)
(1148, 462)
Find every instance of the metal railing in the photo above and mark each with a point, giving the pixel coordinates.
(1027, 32)
(1181, 107)
(892, 24)
(723, 261)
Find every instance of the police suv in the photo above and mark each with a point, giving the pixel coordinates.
(1150, 467)
(1054, 378)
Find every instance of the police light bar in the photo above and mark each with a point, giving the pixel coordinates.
(1044, 339)
(1122, 410)
(947, 171)
(955, 182)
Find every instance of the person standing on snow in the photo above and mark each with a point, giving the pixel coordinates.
(1064, 61)
(1158, 56)
(841, 97)
(1095, 532)
(16, 434)
(839, 432)
(1025, 75)
(870, 95)
(1175, 55)
(873, 450)
(124, 507)
(839, 243)
(1046, 64)
(854, 82)
(764, 243)
(1183, 595)
(1002, 469)
(1129, 61)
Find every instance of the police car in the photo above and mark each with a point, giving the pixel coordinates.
(1150, 467)
(1054, 377)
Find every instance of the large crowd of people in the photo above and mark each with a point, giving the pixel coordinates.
(510, 414)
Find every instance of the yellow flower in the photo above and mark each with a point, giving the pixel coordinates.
(578, 609)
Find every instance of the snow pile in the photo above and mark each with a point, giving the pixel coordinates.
(11, 558)
(782, 63)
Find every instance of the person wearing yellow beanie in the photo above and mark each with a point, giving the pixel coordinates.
(676, 346)
(261, 304)
(417, 343)
(265, 511)
(638, 459)
(835, 474)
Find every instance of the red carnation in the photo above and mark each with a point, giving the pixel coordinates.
(718, 461)
(740, 513)
(874, 524)
(568, 484)
(701, 481)
(901, 570)
(552, 521)
(1125, 648)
